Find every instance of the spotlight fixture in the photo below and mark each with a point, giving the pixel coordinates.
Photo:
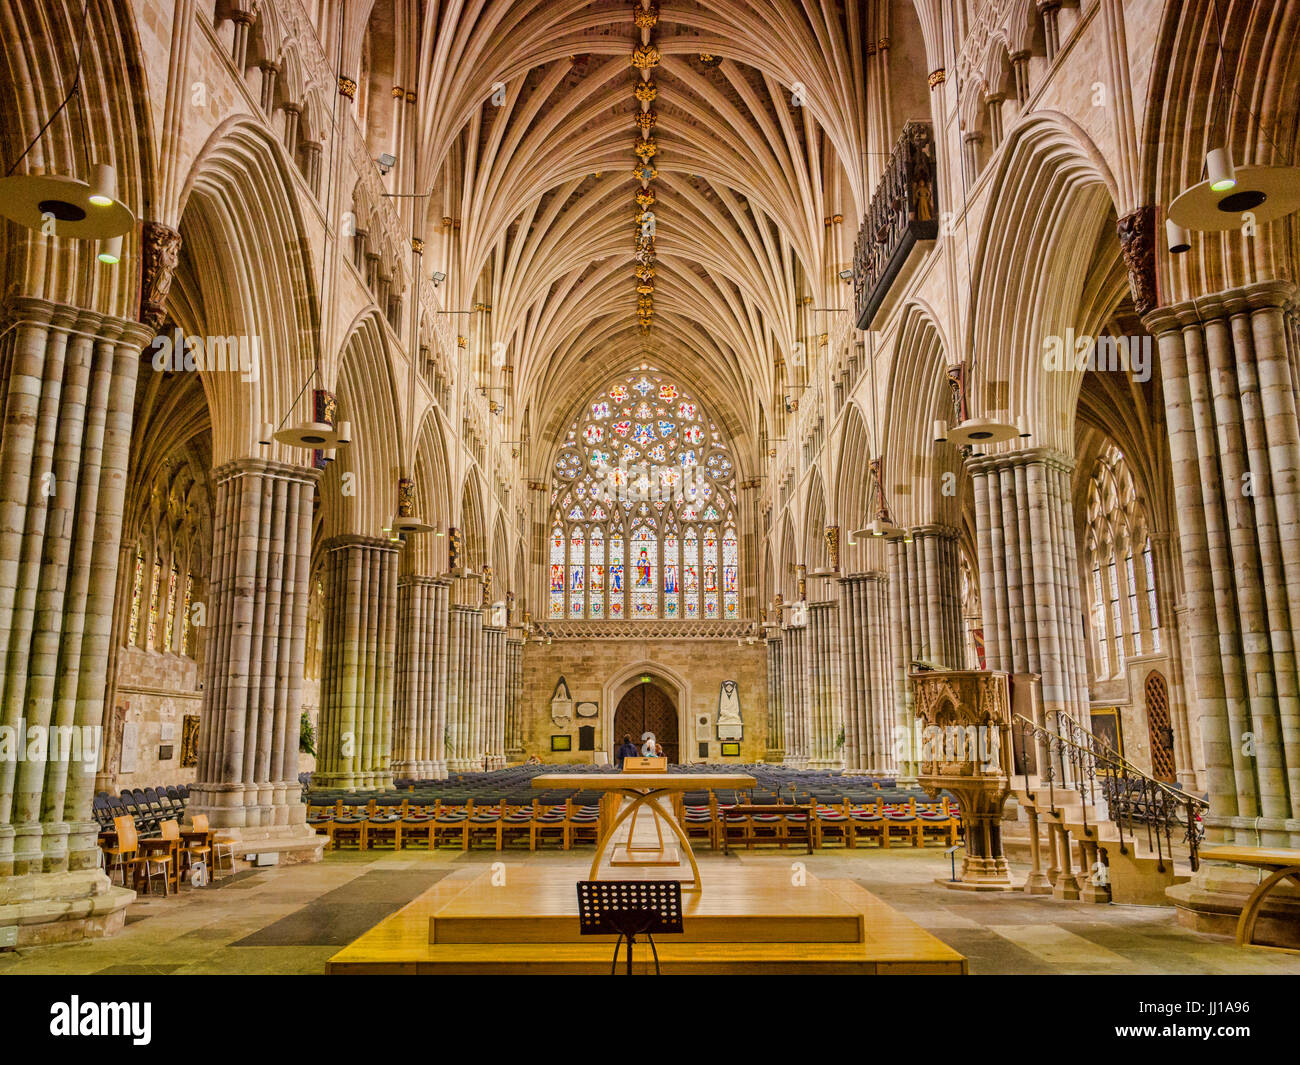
(940, 432)
(266, 434)
(110, 250)
(438, 277)
(1180, 240)
(1222, 176)
(846, 275)
(79, 209)
(386, 162)
(1227, 195)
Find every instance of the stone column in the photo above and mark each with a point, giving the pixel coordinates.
(1029, 590)
(869, 687)
(796, 702)
(494, 649)
(68, 397)
(360, 660)
(465, 678)
(775, 751)
(1229, 369)
(258, 592)
(421, 684)
(827, 714)
(514, 698)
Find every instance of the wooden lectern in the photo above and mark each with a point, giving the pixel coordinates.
(645, 765)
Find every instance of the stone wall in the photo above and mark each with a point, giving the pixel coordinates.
(602, 670)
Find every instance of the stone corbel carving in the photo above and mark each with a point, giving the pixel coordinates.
(160, 248)
(1137, 242)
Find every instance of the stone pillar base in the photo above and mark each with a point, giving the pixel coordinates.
(63, 907)
(1037, 884)
(1211, 901)
(981, 874)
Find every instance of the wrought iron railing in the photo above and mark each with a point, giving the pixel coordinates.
(1071, 758)
(903, 210)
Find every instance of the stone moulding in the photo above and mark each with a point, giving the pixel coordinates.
(646, 630)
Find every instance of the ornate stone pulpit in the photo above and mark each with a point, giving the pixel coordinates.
(965, 717)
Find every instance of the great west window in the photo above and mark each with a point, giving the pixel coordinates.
(643, 512)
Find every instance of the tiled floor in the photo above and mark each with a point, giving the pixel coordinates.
(291, 920)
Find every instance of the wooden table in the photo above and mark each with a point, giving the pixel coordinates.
(644, 789)
(1285, 864)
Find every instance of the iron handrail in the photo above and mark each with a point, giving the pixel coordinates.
(1133, 797)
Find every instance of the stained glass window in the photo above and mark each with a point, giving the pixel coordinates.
(1152, 609)
(169, 618)
(1123, 590)
(1118, 621)
(596, 571)
(1135, 625)
(691, 573)
(155, 595)
(134, 632)
(577, 571)
(557, 571)
(616, 578)
(645, 556)
(641, 460)
(710, 573)
(730, 575)
(187, 629)
(1099, 624)
(672, 588)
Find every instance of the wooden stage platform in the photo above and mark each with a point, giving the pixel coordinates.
(749, 919)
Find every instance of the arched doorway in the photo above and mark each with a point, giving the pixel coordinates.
(647, 708)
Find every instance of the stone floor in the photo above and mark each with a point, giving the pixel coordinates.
(291, 920)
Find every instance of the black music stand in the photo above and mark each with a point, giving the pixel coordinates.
(629, 908)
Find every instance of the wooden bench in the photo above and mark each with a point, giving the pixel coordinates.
(1284, 863)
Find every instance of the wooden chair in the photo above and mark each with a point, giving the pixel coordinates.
(484, 823)
(580, 822)
(452, 822)
(156, 861)
(866, 821)
(902, 822)
(938, 822)
(550, 821)
(382, 828)
(417, 824)
(697, 821)
(190, 851)
(517, 822)
(122, 852)
(831, 821)
(223, 849)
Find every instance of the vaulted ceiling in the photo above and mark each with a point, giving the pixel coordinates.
(528, 136)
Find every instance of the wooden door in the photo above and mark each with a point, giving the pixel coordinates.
(1160, 729)
(646, 708)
